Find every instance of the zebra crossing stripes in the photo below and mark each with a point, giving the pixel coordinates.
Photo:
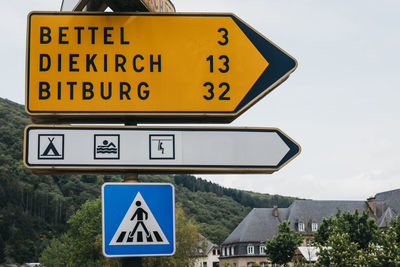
(139, 237)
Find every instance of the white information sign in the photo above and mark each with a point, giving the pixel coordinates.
(147, 149)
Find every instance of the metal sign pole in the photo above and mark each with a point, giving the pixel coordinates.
(131, 178)
(96, 5)
(100, 5)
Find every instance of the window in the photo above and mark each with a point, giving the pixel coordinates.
(250, 264)
(215, 251)
(314, 227)
(227, 251)
(250, 249)
(204, 264)
(275, 265)
(301, 227)
(263, 264)
(223, 252)
(232, 251)
(262, 249)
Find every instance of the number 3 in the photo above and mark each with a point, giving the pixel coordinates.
(224, 36)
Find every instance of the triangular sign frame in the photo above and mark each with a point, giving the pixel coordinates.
(139, 226)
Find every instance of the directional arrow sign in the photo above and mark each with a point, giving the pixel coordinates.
(147, 67)
(157, 149)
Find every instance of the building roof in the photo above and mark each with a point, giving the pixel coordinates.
(206, 244)
(386, 218)
(259, 225)
(315, 210)
(391, 198)
(309, 253)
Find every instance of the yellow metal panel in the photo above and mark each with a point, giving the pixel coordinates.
(125, 63)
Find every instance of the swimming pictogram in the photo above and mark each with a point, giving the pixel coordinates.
(106, 146)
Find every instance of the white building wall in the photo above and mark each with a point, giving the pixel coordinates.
(210, 259)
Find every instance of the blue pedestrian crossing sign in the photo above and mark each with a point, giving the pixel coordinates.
(138, 219)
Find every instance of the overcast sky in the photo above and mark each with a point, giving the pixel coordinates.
(342, 104)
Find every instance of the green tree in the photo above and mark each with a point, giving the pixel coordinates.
(57, 253)
(81, 245)
(385, 252)
(355, 240)
(339, 251)
(325, 230)
(281, 248)
(395, 224)
(361, 229)
(187, 244)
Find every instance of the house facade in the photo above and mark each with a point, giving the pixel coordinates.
(208, 254)
(245, 245)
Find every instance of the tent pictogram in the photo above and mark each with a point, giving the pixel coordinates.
(51, 149)
(51, 146)
(139, 226)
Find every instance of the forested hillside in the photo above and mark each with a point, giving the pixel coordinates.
(34, 209)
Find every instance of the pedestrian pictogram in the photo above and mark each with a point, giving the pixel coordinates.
(139, 226)
(138, 219)
(51, 146)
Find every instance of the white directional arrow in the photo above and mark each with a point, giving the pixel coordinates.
(150, 149)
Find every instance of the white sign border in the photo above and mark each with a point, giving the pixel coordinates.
(137, 255)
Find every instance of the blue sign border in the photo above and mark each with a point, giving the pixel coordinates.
(116, 200)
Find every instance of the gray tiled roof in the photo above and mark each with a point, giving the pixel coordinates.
(391, 198)
(387, 217)
(315, 210)
(259, 225)
(208, 246)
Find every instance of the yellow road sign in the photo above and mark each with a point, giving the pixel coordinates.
(135, 66)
